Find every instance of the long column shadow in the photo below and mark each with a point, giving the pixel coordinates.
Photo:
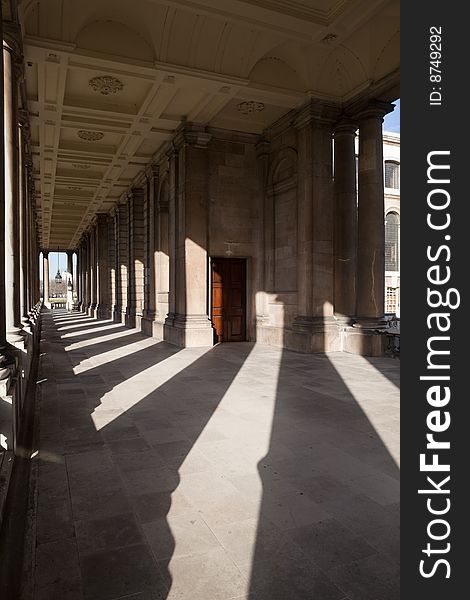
(117, 437)
(150, 480)
(328, 526)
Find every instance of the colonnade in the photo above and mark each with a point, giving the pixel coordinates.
(146, 262)
(19, 244)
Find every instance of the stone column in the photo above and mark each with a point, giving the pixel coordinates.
(112, 261)
(345, 221)
(12, 286)
(69, 280)
(262, 312)
(123, 258)
(162, 256)
(315, 328)
(173, 167)
(45, 278)
(79, 276)
(22, 224)
(5, 358)
(78, 288)
(371, 219)
(191, 325)
(150, 281)
(93, 271)
(87, 278)
(103, 275)
(136, 255)
(371, 235)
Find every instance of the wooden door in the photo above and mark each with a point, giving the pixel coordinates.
(229, 299)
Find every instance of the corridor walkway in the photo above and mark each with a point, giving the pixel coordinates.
(238, 472)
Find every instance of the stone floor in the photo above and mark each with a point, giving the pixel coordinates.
(240, 472)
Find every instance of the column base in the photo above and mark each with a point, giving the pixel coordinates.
(188, 331)
(314, 335)
(15, 336)
(365, 342)
(130, 318)
(103, 311)
(152, 327)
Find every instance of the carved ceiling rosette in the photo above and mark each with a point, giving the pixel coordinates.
(106, 85)
(249, 106)
(90, 136)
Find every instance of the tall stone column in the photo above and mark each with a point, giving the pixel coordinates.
(345, 221)
(123, 259)
(112, 259)
(150, 269)
(79, 276)
(136, 255)
(162, 256)
(5, 358)
(262, 312)
(314, 328)
(78, 288)
(22, 223)
(69, 280)
(93, 271)
(103, 275)
(371, 219)
(12, 312)
(191, 325)
(45, 278)
(371, 235)
(87, 277)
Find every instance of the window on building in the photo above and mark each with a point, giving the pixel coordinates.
(392, 175)
(392, 226)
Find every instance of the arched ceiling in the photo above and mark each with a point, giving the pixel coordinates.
(108, 81)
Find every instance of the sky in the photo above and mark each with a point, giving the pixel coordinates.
(392, 120)
(53, 263)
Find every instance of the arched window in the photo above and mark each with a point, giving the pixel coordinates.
(392, 174)
(392, 225)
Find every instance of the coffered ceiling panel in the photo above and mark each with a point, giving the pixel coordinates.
(109, 81)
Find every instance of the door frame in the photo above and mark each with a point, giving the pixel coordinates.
(248, 294)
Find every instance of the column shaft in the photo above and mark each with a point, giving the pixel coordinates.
(191, 325)
(345, 221)
(69, 282)
(103, 274)
(371, 228)
(11, 201)
(45, 278)
(136, 247)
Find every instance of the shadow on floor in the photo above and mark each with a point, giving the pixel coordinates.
(239, 472)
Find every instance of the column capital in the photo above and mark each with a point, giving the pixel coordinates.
(263, 148)
(374, 110)
(316, 112)
(101, 218)
(152, 171)
(345, 126)
(191, 134)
